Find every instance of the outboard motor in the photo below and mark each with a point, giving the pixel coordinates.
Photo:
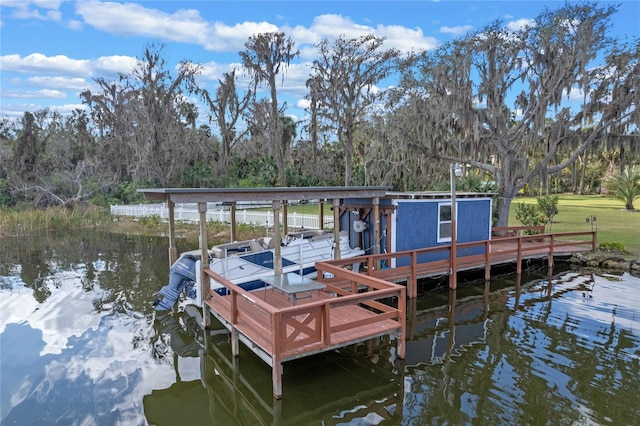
(182, 277)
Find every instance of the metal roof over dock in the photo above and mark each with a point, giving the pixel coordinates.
(216, 195)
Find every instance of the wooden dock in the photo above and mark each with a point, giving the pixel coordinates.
(362, 299)
(354, 307)
(497, 251)
(268, 323)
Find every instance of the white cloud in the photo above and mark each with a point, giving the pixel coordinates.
(332, 25)
(37, 62)
(303, 103)
(575, 95)
(30, 9)
(62, 65)
(75, 83)
(459, 30)
(38, 94)
(74, 25)
(518, 113)
(114, 64)
(62, 73)
(225, 38)
(520, 24)
(188, 26)
(184, 25)
(17, 110)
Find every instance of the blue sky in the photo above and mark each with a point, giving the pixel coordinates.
(51, 50)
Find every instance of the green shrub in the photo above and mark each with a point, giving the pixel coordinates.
(608, 246)
(5, 196)
(529, 215)
(548, 208)
(152, 221)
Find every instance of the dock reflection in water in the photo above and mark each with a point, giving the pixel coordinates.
(81, 344)
(360, 385)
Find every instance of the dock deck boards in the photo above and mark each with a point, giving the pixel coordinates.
(501, 251)
(338, 315)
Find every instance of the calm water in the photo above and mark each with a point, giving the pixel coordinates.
(80, 344)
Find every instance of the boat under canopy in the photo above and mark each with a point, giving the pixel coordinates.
(246, 262)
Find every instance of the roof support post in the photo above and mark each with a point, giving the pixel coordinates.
(336, 228)
(376, 228)
(232, 213)
(321, 214)
(173, 251)
(285, 218)
(277, 255)
(204, 264)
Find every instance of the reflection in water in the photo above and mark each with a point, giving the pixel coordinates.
(332, 388)
(80, 344)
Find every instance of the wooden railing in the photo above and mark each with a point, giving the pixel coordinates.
(285, 332)
(512, 231)
(379, 265)
(281, 334)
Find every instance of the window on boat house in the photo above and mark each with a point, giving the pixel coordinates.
(444, 222)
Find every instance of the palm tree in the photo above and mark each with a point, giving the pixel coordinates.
(625, 184)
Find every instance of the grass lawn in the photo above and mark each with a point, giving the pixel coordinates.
(613, 222)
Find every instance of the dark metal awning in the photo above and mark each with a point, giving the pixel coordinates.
(216, 195)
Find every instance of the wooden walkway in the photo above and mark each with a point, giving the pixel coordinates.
(497, 251)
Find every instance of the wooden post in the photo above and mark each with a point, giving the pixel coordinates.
(451, 319)
(277, 330)
(401, 350)
(326, 324)
(173, 252)
(453, 275)
(276, 410)
(234, 228)
(276, 376)
(321, 214)
(376, 229)
(204, 264)
(412, 311)
(519, 257)
(487, 260)
(277, 255)
(235, 340)
(336, 228)
(487, 292)
(388, 217)
(551, 244)
(285, 218)
(516, 302)
(413, 280)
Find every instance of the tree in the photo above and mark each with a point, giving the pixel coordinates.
(484, 100)
(25, 155)
(227, 109)
(266, 55)
(139, 120)
(625, 185)
(288, 133)
(343, 83)
(161, 133)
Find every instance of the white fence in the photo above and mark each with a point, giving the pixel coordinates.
(215, 212)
